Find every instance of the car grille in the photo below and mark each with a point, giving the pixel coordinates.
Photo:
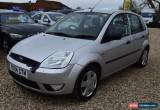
(30, 63)
(24, 80)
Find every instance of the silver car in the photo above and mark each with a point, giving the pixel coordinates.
(78, 51)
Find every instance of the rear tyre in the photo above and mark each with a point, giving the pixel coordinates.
(87, 83)
(144, 58)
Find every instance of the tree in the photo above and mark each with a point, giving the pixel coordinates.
(151, 3)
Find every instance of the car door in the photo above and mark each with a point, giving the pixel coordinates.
(116, 51)
(138, 31)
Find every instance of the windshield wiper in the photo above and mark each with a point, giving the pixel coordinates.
(85, 37)
(75, 36)
(59, 34)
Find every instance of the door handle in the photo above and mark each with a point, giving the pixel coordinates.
(128, 42)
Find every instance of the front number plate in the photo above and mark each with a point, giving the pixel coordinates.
(18, 70)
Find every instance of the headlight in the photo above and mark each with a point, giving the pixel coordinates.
(15, 35)
(57, 60)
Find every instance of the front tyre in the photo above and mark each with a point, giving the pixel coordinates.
(87, 83)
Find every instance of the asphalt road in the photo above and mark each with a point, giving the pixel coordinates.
(114, 93)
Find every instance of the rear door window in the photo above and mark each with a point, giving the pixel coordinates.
(136, 25)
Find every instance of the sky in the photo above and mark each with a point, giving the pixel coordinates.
(113, 4)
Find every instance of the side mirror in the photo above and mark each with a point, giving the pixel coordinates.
(116, 35)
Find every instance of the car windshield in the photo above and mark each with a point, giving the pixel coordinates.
(80, 25)
(147, 14)
(15, 18)
(55, 17)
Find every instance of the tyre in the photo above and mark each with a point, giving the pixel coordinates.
(5, 45)
(87, 83)
(144, 58)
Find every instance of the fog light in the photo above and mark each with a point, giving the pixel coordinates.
(57, 87)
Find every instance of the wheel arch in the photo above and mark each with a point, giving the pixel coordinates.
(147, 47)
(97, 66)
(94, 64)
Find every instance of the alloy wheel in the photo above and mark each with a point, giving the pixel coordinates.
(89, 83)
(145, 58)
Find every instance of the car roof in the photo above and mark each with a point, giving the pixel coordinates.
(49, 13)
(8, 11)
(107, 11)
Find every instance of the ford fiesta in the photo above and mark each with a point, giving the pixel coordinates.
(78, 51)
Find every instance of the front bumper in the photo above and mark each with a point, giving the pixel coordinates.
(37, 81)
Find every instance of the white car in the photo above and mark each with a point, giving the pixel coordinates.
(148, 15)
(47, 18)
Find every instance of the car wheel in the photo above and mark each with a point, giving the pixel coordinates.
(144, 58)
(5, 45)
(87, 83)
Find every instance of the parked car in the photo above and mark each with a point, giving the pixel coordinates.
(15, 26)
(75, 57)
(148, 15)
(47, 18)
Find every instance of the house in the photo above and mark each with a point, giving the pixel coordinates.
(38, 5)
